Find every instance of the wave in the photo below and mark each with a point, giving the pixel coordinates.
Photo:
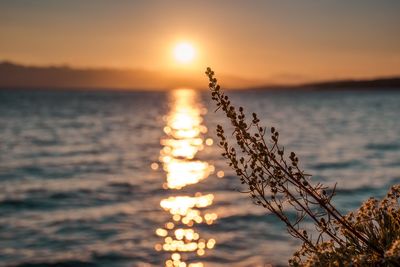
(336, 165)
(383, 146)
(68, 263)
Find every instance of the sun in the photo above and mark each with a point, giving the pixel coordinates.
(184, 52)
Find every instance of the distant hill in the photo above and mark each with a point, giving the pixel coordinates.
(63, 77)
(387, 83)
(382, 83)
(57, 77)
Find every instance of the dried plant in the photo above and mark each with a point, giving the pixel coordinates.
(276, 182)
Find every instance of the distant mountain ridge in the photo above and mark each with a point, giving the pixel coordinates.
(57, 77)
(63, 77)
(383, 83)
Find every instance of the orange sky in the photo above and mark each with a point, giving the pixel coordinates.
(275, 41)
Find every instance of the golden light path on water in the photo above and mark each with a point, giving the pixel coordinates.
(184, 139)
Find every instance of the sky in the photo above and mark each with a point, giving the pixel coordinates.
(277, 41)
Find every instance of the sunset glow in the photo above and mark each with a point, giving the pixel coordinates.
(184, 53)
(270, 42)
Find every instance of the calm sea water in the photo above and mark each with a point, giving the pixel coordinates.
(135, 179)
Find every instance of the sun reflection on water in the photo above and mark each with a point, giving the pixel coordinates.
(184, 139)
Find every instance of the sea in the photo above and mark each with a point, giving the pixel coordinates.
(109, 178)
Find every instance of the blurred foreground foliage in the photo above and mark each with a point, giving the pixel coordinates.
(369, 236)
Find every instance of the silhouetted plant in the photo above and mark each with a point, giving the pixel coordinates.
(368, 237)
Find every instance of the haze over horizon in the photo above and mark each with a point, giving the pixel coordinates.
(268, 41)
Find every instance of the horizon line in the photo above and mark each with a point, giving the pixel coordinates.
(258, 84)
